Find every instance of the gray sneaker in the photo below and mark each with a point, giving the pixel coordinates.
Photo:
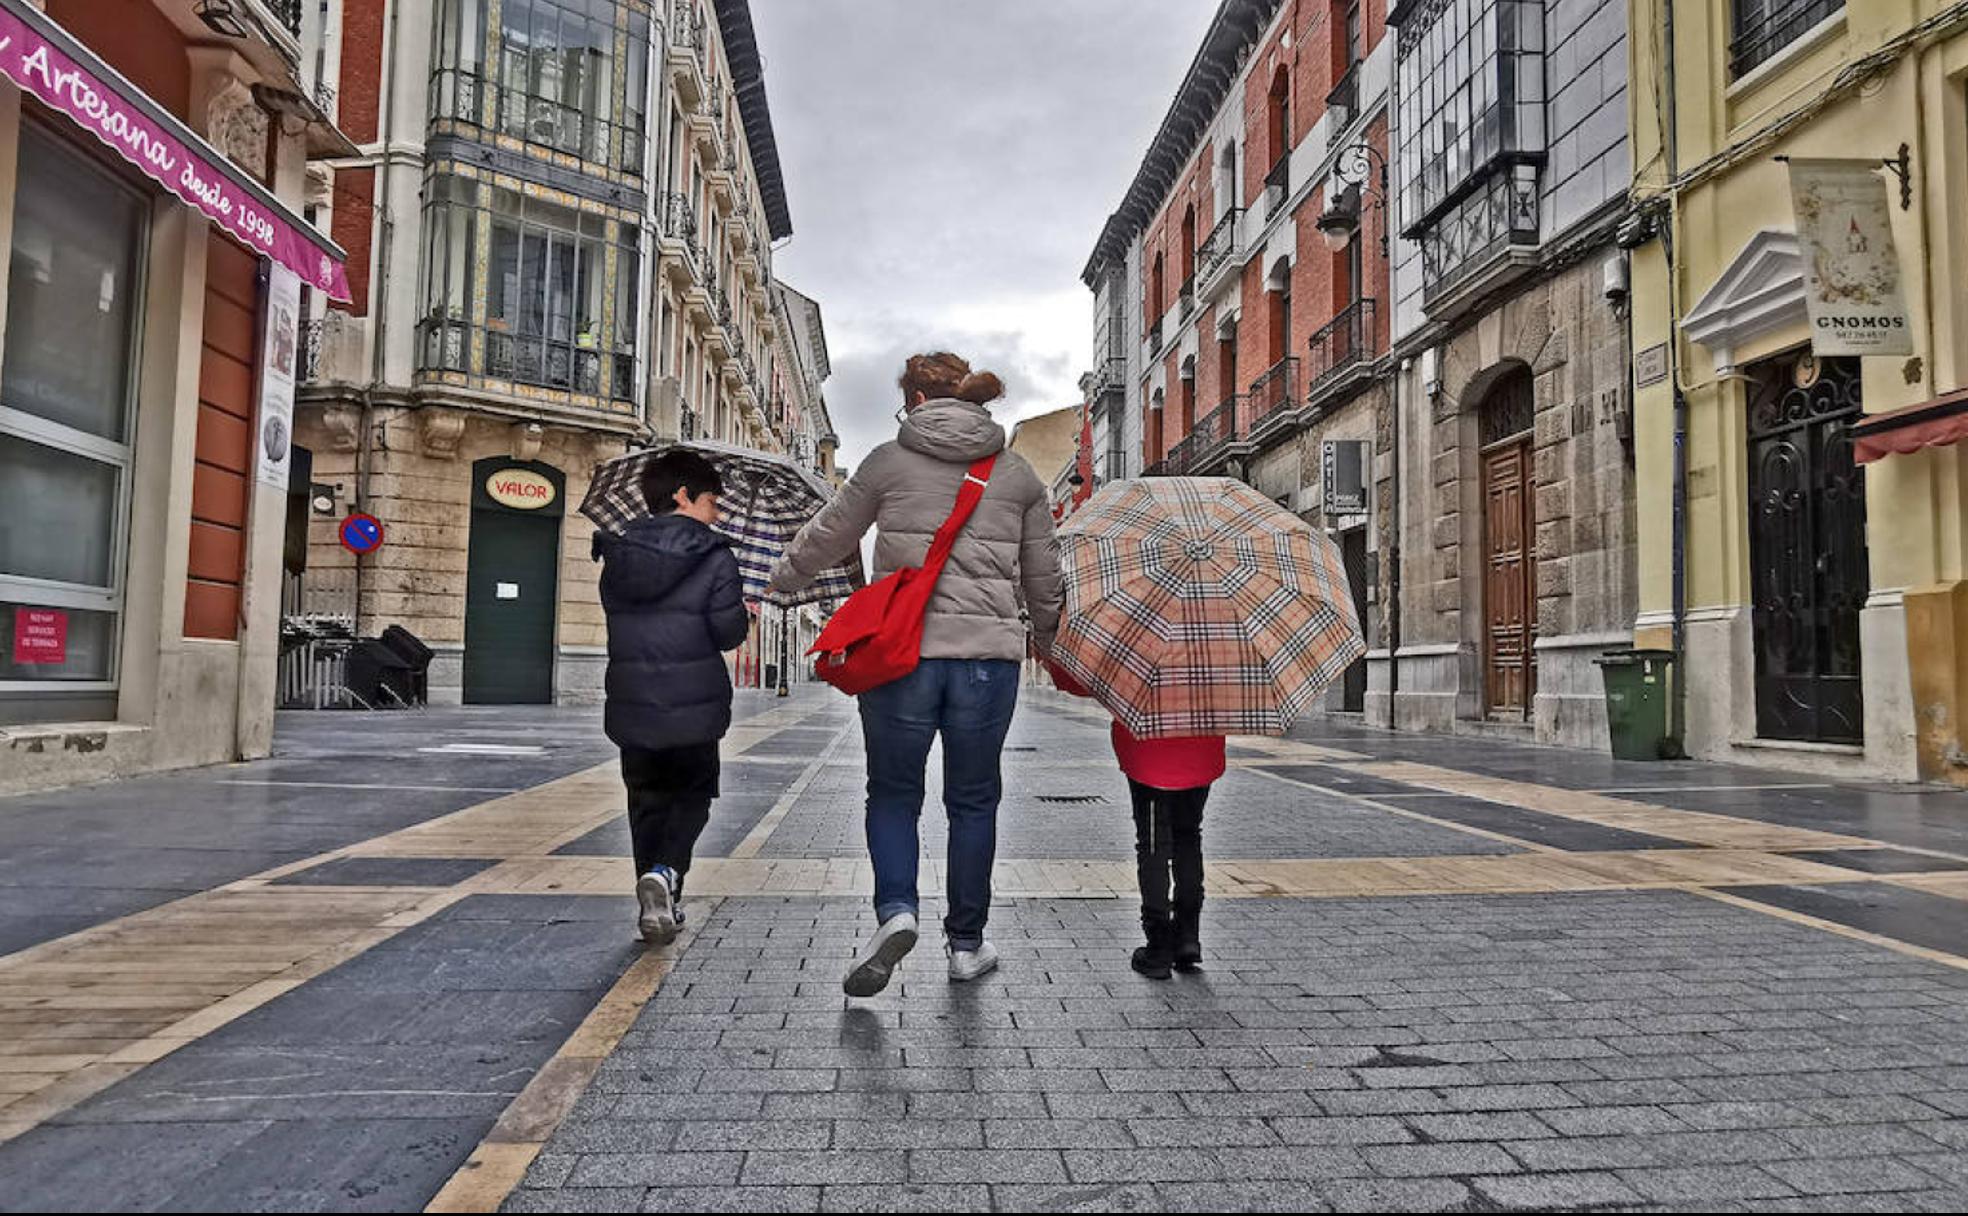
(886, 950)
(967, 965)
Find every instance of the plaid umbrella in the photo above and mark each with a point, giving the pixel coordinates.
(766, 500)
(1196, 606)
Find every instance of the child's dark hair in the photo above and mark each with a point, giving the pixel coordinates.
(678, 469)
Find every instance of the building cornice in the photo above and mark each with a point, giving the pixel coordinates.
(1213, 72)
(748, 81)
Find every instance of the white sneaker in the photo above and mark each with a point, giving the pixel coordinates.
(656, 893)
(967, 965)
(889, 946)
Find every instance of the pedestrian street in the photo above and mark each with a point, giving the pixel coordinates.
(395, 967)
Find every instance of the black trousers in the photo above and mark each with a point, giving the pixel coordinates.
(670, 796)
(1168, 848)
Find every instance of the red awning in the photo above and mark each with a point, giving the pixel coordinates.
(48, 63)
(1933, 424)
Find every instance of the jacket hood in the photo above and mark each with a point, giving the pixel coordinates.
(661, 550)
(953, 431)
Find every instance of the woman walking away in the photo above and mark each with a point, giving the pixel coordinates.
(974, 640)
(1170, 782)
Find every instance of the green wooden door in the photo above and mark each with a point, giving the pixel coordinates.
(512, 587)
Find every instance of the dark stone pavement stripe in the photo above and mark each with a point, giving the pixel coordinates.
(1881, 861)
(388, 872)
(1901, 913)
(364, 1089)
(1516, 822)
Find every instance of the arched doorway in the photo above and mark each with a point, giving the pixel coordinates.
(1504, 421)
(512, 582)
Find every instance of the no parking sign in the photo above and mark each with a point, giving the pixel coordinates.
(362, 534)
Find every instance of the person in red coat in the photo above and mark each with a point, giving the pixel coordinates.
(1170, 782)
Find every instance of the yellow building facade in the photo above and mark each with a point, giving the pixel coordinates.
(1821, 604)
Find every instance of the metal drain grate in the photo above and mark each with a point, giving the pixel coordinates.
(1073, 799)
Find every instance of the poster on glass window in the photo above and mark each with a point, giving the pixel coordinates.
(280, 342)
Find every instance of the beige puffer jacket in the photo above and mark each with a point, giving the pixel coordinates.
(1006, 556)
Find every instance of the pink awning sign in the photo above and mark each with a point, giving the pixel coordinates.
(48, 63)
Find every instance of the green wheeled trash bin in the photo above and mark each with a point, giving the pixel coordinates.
(1638, 685)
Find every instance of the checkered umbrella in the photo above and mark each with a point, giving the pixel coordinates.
(1196, 606)
(766, 500)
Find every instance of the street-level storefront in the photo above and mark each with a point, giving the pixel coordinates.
(146, 368)
(1801, 303)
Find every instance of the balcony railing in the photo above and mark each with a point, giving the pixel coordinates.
(1759, 37)
(576, 364)
(1277, 185)
(1158, 469)
(1345, 96)
(287, 13)
(1153, 337)
(1206, 443)
(1220, 246)
(1186, 298)
(679, 218)
(1347, 342)
(460, 96)
(1110, 376)
(1273, 395)
(311, 334)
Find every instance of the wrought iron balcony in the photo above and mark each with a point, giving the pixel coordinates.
(1345, 96)
(287, 13)
(1274, 396)
(311, 332)
(1219, 248)
(1216, 434)
(1158, 469)
(1186, 299)
(1277, 184)
(1342, 350)
(1760, 35)
(687, 424)
(1153, 337)
(1110, 377)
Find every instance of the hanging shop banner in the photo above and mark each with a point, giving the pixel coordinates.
(1851, 270)
(280, 340)
(47, 62)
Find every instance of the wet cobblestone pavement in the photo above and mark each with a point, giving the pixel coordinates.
(1442, 974)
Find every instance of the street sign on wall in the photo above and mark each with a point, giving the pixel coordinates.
(1343, 468)
(361, 534)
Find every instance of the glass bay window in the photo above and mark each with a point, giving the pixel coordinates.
(528, 290)
(1473, 128)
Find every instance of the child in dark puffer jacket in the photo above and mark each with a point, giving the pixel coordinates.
(1170, 782)
(675, 604)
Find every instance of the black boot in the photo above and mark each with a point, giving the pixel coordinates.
(1155, 959)
(1187, 929)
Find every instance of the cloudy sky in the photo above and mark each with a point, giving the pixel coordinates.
(949, 165)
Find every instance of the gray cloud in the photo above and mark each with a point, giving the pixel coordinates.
(948, 166)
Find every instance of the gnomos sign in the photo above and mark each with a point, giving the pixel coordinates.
(522, 489)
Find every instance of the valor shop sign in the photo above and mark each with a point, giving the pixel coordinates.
(521, 489)
(1851, 269)
(40, 636)
(49, 64)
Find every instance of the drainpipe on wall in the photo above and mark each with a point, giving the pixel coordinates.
(1394, 559)
(1677, 724)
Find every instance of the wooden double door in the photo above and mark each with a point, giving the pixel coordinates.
(1509, 578)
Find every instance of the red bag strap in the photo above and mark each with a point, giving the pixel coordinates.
(975, 482)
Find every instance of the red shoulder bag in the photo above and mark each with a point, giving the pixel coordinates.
(876, 637)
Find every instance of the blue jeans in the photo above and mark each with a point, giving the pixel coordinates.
(970, 703)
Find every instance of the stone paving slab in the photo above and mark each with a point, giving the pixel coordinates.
(1427, 1053)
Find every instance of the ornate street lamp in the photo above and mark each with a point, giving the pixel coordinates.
(1363, 170)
